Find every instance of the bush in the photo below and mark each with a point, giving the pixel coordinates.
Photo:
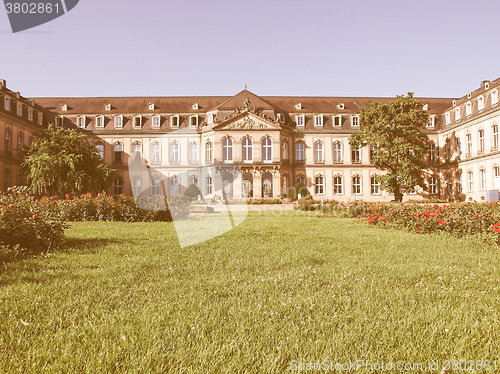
(26, 223)
(192, 192)
(299, 188)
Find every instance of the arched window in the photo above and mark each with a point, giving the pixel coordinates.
(481, 141)
(227, 150)
(433, 187)
(193, 179)
(247, 149)
(375, 185)
(175, 153)
(318, 153)
(208, 152)
(174, 185)
(337, 152)
(136, 186)
(156, 153)
(156, 186)
(356, 155)
(338, 185)
(20, 144)
(117, 187)
(100, 150)
(494, 133)
(6, 179)
(267, 150)
(300, 152)
(193, 153)
(117, 153)
(319, 184)
(8, 142)
(209, 185)
(356, 184)
(496, 177)
(284, 149)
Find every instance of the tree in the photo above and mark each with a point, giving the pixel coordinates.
(394, 131)
(63, 161)
(192, 192)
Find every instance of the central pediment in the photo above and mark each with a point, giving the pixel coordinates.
(248, 121)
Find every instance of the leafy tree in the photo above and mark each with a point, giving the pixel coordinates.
(394, 130)
(192, 192)
(63, 161)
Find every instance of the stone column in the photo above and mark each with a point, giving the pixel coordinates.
(237, 185)
(276, 185)
(257, 185)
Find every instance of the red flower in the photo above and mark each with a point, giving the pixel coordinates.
(441, 222)
(417, 228)
(371, 220)
(67, 195)
(358, 216)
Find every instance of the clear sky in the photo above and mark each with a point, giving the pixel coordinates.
(436, 48)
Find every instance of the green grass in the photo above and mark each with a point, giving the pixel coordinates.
(124, 297)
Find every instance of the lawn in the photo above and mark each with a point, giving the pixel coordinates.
(124, 297)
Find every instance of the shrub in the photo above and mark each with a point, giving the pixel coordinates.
(192, 192)
(299, 188)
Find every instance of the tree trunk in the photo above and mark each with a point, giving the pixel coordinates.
(398, 196)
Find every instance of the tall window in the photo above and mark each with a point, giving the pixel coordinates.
(480, 103)
(156, 121)
(193, 179)
(337, 153)
(496, 179)
(481, 141)
(267, 150)
(137, 150)
(318, 121)
(8, 142)
(319, 184)
(318, 152)
(137, 122)
(284, 149)
(432, 153)
(156, 186)
(447, 117)
(449, 185)
(100, 150)
(458, 178)
(494, 135)
(300, 120)
(470, 181)
(431, 121)
(6, 179)
(208, 152)
(175, 153)
(355, 121)
(227, 150)
(375, 185)
(494, 97)
(80, 122)
(337, 185)
(468, 109)
(458, 148)
(118, 153)
(156, 153)
(174, 186)
(433, 185)
(469, 145)
(59, 122)
(482, 179)
(447, 149)
(119, 121)
(247, 149)
(99, 121)
(209, 185)
(174, 121)
(20, 144)
(300, 152)
(30, 114)
(356, 155)
(193, 153)
(19, 109)
(337, 121)
(457, 114)
(117, 187)
(136, 186)
(193, 121)
(7, 104)
(356, 184)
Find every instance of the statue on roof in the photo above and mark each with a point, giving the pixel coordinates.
(247, 103)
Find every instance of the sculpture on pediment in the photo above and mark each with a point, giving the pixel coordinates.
(247, 103)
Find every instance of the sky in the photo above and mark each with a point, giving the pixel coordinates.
(438, 48)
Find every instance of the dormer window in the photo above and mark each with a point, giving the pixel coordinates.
(193, 121)
(118, 122)
(19, 109)
(7, 103)
(454, 102)
(430, 123)
(80, 122)
(486, 85)
(300, 120)
(425, 107)
(30, 114)
(447, 118)
(151, 106)
(468, 109)
(469, 95)
(457, 114)
(137, 123)
(298, 106)
(318, 121)
(337, 121)
(480, 103)
(156, 121)
(59, 122)
(107, 107)
(341, 106)
(210, 118)
(494, 97)
(64, 107)
(174, 121)
(195, 106)
(99, 121)
(355, 121)
(40, 119)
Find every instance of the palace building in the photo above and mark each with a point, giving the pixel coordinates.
(260, 146)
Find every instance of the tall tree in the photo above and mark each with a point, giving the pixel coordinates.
(394, 130)
(63, 161)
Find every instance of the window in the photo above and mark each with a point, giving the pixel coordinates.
(119, 122)
(431, 122)
(247, 150)
(468, 109)
(457, 114)
(496, 179)
(174, 185)
(447, 118)
(100, 150)
(481, 141)
(458, 148)
(356, 155)
(174, 121)
(356, 184)
(137, 122)
(319, 184)
(300, 120)
(8, 142)
(193, 121)
(469, 145)
(433, 185)
(156, 186)
(136, 186)
(20, 144)
(447, 149)
(267, 149)
(494, 97)
(208, 152)
(40, 119)
(432, 153)
(470, 182)
(375, 185)
(210, 118)
(318, 153)
(494, 133)
(482, 179)
(301, 179)
(458, 178)
(118, 153)
(7, 103)
(337, 185)
(99, 121)
(318, 121)
(337, 152)
(300, 152)
(137, 150)
(117, 187)
(227, 150)
(193, 153)
(156, 121)
(209, 185)
(155, 153)
(449, 185)
(59, 122)
(355, 121)
(284, 149)
(175, 152)
(6, 179)
(30, 114)
(337, 121)
(80, 122)
(193, 179)
(19, 109)
(480, 103)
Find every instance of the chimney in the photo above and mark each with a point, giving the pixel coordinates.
(3, 83)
